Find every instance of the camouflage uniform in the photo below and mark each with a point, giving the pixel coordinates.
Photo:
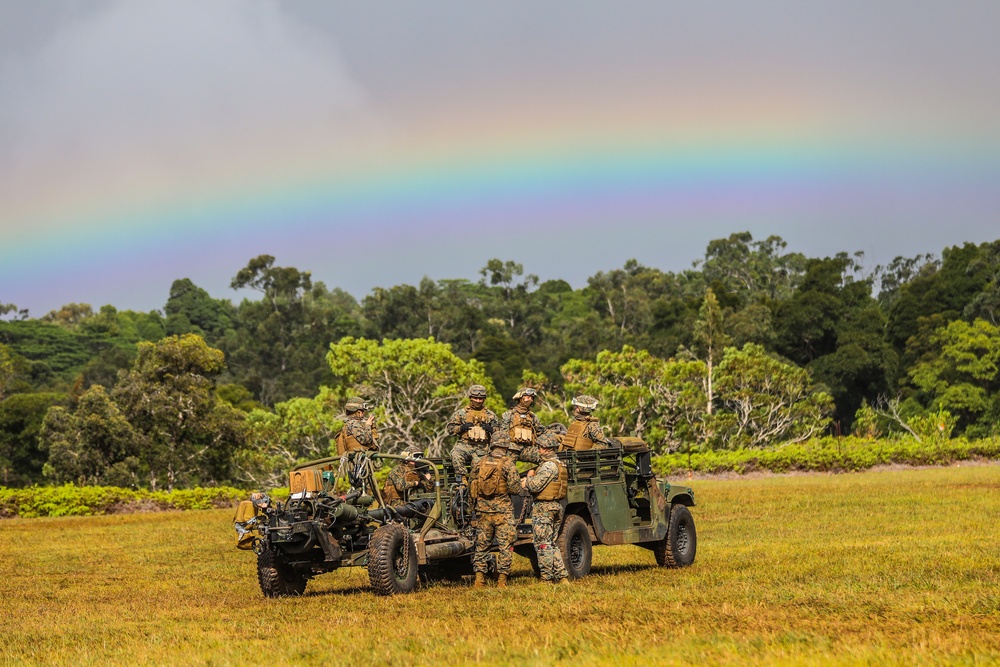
(402, 478)
(362, 432)
(546, 519)
(466, 452)
(496, 519)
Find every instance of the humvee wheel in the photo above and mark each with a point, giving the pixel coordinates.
(577, 549)
(678, 547)
(276, 578)
(392, 561)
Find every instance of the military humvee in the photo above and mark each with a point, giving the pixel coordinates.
(613, 498)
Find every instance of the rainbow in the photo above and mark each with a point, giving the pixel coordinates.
(448, 209)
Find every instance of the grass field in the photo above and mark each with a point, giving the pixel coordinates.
(886, 567)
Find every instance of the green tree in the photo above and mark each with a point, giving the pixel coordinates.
(710, 340)
(187, 434)
(962, 377)
(298, 430)
(190, 309)
(766, 401)
(94, 444)
(416, 385)
(22, 455)
(624, 383)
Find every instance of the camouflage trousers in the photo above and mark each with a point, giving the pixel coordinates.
(546, 518)
(464, 455)
(501, 526)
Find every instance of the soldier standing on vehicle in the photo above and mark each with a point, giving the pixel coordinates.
(585, 433)
(404, 477)
(522, 427)
(547, 484)
(359, 432)
(473, 424)
(494, 479)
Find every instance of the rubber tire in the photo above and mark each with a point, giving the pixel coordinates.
(576, 546)
(276, 578)
(679, 546)
(384, 550)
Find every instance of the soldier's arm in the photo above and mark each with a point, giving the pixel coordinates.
(596, 434)
(505, 421)
(544, 474)
(363, 433)
(454, 425)
(537, 426)
(513, 478)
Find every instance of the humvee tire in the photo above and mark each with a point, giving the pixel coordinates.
(392, 560)
(678, 547)
(576, 546)
(276, 578)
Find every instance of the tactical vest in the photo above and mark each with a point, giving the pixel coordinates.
(555, 489)
(346, 442)
(391, 494)
(491, 481)
(576, 438)
(477, 434)
(522, 428)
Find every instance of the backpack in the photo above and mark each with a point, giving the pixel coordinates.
(490, 481)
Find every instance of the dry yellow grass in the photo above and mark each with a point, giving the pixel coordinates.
(890, 567)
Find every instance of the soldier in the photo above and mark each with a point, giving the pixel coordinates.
(473, 425)
(585, 433)
(547, 483)
(522, 427)
(494, 479)
(358, 433)
(404, 477)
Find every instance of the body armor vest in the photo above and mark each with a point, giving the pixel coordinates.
(522, 428)
(346, 442)
(556, 489)
(477, 433)
(491, 481)
(576, 438)
(391, 494)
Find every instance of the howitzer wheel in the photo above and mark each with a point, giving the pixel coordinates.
(576, 546)
(276, 578)
(678, 547)
(392, 560)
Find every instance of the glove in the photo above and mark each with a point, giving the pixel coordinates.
(464, 428)
(488, 428)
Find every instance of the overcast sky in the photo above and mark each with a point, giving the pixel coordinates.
(374, 143)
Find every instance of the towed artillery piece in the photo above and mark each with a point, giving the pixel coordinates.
(612, 498)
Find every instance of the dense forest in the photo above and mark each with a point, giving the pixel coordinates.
(752, 347)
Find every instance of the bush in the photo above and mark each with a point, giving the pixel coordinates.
(831, 455)
(69, 500)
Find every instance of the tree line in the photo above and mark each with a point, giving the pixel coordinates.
(750, 347)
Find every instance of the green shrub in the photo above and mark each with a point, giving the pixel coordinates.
(70, 500)
(831, 455)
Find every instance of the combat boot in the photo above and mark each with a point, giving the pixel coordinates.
(502, 581)
(480, 580)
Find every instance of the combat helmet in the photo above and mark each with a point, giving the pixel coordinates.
(477, 391)
(586, 404)
(549, 440)
(557, 428)
(524, 391)
(354, 404)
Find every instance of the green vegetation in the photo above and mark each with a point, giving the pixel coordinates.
(753, 348)
(69, 500)
(892, 567)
